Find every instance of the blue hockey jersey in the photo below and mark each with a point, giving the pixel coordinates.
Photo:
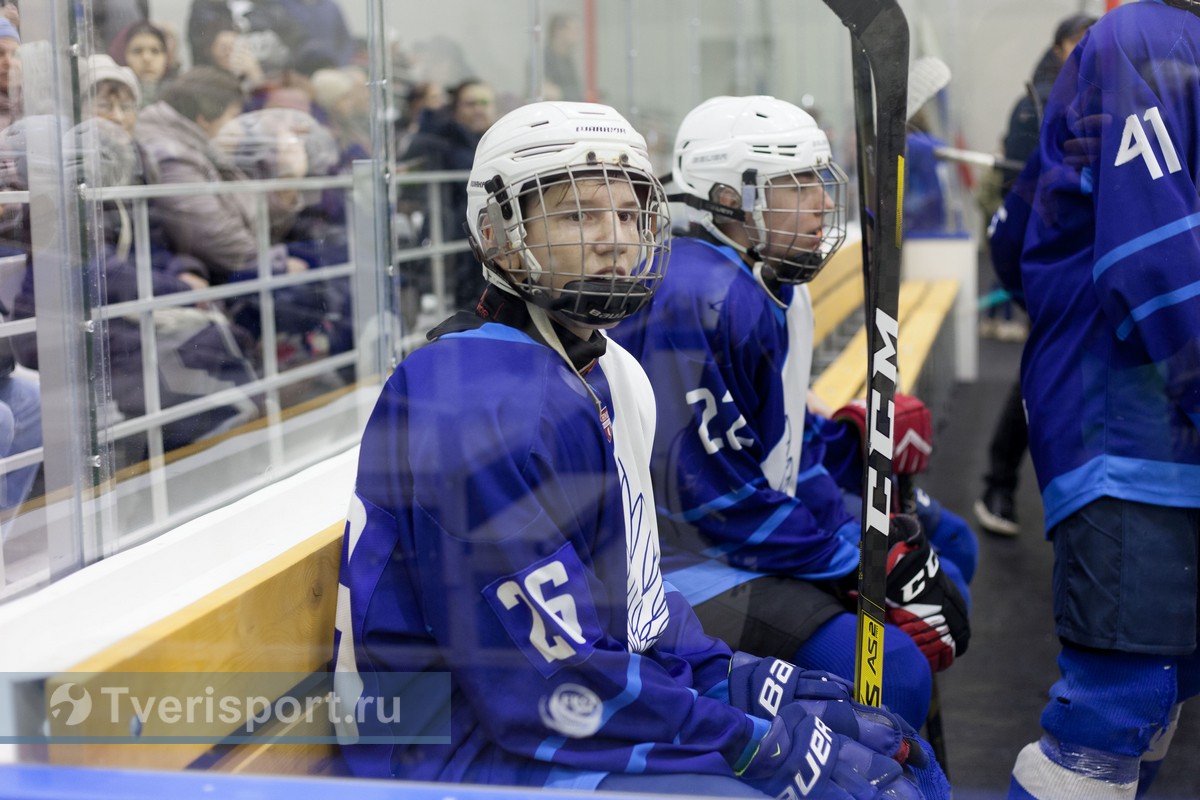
(502, 530)
(740, 492)
(1111, 269)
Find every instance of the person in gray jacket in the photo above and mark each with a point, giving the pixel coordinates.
(177, 133)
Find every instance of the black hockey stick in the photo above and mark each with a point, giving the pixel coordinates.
(879, 44)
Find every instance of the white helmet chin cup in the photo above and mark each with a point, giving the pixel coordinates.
(773, 154)
(563, 208)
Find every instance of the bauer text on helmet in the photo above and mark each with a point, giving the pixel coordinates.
(763, 164)
(564, 211)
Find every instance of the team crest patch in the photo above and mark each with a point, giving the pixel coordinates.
(574, 711)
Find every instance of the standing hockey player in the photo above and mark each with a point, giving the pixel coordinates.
(756, 534)
(502, 527)
(1111, 376)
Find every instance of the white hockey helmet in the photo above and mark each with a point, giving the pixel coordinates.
(773, 154)
(563, 209)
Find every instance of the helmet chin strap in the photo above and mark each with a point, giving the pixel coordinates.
(541, 321)
(757, 269)
(750, 254)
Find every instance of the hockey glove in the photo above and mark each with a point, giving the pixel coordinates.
(921, 600)
(763, 687)
(949, 534)
(913, 431)
(802, 756)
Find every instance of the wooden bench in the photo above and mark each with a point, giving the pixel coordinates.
(925, 344)
(266, 634)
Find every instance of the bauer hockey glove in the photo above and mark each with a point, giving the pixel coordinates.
(921, 600)
(802, 756)
(913, 431)
(763, 687)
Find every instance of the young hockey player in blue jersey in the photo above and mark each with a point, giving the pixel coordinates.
(1110, 271)
(756, 533)
(502, 527)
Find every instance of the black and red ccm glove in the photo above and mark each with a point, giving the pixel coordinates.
(913, 431)
(921, 600)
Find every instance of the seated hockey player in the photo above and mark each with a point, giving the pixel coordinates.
(502, 529)
(754, 528)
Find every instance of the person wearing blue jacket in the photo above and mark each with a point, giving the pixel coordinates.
(1111, 378)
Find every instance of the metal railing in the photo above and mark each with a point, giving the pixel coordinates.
(147, 500)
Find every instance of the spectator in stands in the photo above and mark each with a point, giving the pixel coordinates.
(111, 92)
(321, 33)
(562, 47)
(110, 17)
(199, 352)
(446, 140)
(218, 230)
(20, 429)
(10, 89)
(342, 94)
(12, 13)
(278, 33)
(143, 48)
(996, 510)
(420, 96)
(312, 319)
(255, 34)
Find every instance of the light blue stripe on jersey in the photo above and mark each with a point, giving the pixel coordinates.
(633, 688)
(637, 759)
(706, 580)
(722, 502)
(1142, 242)
(761, 726)
(842, 563)
(1157, 304)
(1159, 483)
(567, 778)
(811, 472)
(548, 747)
(759, 536)
(492, 330)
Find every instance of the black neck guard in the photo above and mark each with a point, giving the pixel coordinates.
(501, 307)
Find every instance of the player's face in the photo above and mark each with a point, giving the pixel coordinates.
(146, 56)
(584, 229)
(796, 210)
